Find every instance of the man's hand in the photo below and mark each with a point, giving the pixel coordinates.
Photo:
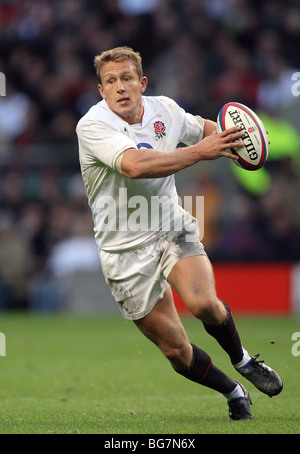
(214, 146)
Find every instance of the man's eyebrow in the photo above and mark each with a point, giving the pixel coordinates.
(108, 75)
(124, 73)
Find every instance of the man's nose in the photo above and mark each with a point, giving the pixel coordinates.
(120, 86)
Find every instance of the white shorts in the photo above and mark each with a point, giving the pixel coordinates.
(138, 277)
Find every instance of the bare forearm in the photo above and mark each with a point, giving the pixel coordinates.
(209, 127)
(149, 163)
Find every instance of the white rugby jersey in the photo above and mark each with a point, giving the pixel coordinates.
(129, 213)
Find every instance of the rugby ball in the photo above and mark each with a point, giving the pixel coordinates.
(254, 154)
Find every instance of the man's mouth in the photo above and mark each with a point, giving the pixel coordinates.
(123, 100)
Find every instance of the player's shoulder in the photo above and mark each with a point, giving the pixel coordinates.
(96, 112)
(97, 115)
(161, 105)
(161, 100)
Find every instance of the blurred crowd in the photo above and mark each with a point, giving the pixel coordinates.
(202, 53)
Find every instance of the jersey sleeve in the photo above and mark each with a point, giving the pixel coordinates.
(100, 142)
(191, 126)
(192, 129)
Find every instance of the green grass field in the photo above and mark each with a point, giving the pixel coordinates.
(67, 375)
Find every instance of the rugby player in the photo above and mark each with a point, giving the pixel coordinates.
(128, 152)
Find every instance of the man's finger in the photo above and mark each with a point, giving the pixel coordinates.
(229, 131)
(236, 143)
(232, 156)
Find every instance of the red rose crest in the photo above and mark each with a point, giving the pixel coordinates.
(159, 129)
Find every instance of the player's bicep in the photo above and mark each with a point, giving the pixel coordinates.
(192, 129)
(127, 162)
(103, 144)
(209, 127)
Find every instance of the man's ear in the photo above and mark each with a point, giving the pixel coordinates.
(101, 90)
(144, 83)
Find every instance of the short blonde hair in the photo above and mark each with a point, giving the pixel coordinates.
(119, 54)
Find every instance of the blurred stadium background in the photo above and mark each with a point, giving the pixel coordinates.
(202, 53)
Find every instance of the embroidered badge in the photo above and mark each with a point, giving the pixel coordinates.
(159, 129)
